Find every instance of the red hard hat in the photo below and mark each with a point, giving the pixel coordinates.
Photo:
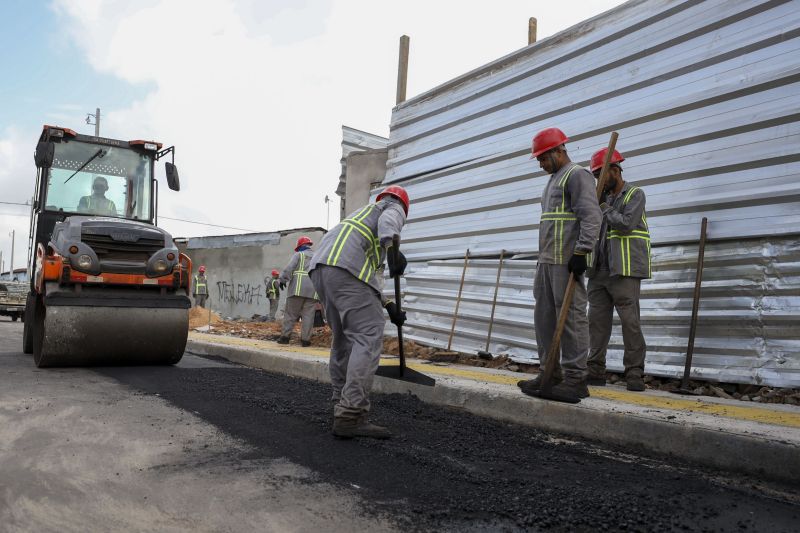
(303, 241)
(202, 268)
(547, 139)
(600, 155)
(276, 273)
(399, 193)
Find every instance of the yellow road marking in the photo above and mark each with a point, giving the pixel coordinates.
(752, 414)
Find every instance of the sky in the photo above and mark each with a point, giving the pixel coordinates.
(252, 93)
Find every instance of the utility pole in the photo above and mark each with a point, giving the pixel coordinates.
(328, 216)
(531, 33)
(11, 266)
(96, 122)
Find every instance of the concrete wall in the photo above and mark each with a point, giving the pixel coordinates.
(237, 264)
(365, 170)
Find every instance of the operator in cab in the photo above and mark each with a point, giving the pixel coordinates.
(97, 203)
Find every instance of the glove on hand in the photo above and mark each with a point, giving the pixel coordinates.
(577, 264)
(398, 318)
(282, 285)
(395, 268)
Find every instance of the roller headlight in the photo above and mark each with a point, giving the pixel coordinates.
(84, 261)
(160, 266)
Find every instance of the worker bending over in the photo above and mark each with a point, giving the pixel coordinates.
(622, 261)
(348, 273)
(273, 285)
(568, 229)
(301, 294)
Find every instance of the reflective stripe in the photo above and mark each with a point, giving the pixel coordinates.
(198, 283)
(350, 224)
(373, 251)
(299, 273)
(339, 243)
(558, 237)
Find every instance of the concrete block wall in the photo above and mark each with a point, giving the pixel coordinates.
(236, 266)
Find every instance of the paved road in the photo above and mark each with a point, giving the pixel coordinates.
(210, 446)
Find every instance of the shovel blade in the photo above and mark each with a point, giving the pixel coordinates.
(411, 376)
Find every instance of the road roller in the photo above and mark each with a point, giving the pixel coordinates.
(107, 285)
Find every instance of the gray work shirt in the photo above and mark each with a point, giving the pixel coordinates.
(295, 275)
(358, 243)
(624, 245)
(571, 217)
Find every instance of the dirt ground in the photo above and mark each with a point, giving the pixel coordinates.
(321, 338)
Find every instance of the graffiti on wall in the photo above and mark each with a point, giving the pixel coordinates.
(239, 293)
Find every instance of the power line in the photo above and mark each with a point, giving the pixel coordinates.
(212, 225)
(167, 218)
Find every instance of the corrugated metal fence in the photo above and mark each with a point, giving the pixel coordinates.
(705, 98)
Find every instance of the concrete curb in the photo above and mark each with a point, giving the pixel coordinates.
(742, 450)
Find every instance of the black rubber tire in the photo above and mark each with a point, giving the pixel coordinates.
(14, 318)
(29, 320)
(38, 335)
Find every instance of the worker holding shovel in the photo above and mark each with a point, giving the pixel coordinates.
(347, 271)
(568, 229)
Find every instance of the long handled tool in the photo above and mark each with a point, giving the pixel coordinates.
(458, 301)
(486, 354)
(552, 361)
(400, 371)
(698, 280)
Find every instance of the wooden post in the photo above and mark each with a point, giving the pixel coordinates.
(402, 69)
(531, 30)
(494, 300)
(458, 301)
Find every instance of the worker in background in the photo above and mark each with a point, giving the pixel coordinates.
(568, 229)
(301, 296)
(200, 287)
(622, 261)
(348, 272)
(273, 294)
(97, 203)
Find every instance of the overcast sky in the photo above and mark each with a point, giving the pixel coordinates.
(252, 93)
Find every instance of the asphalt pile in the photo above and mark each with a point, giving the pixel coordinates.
(450, 471)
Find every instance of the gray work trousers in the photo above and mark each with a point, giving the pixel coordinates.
(548, 290)
(299, 307)
(606, 293)
(200, 299)
(355, 315)
(273, 308)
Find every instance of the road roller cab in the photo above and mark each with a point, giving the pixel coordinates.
(107, 286)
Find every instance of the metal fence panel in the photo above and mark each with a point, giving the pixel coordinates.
(704, 95)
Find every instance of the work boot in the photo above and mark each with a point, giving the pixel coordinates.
(532, 386)
(634, 383)
(283, 340)
(596, 380)
(347, 428)
(571, 389)
(305, 344)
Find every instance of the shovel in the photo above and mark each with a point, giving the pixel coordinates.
(546, 390)
(400, 371)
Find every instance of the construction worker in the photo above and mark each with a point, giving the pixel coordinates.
(568, 230)
(622, 261)
(348, 273)
(97, 203)
(200, 287)
(273, 294)
(301, 300)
